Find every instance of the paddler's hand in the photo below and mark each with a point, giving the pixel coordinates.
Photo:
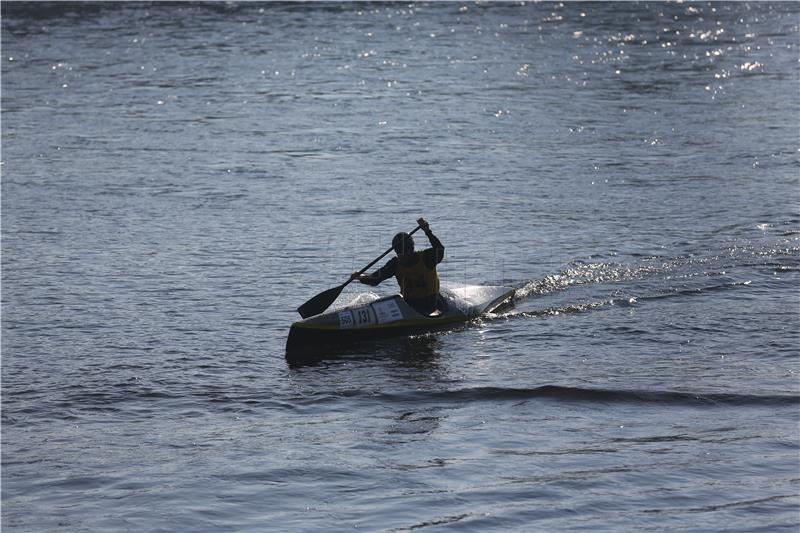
(355, 276)
(423, 224)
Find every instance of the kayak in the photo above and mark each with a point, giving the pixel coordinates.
(388, 317)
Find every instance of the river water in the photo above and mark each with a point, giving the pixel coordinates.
(178, 178)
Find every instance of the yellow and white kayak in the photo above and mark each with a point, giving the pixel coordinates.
(390, 316)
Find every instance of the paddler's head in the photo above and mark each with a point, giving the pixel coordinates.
(403, 245)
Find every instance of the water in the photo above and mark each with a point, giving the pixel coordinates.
(177, 179)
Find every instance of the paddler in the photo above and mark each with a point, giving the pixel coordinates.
(415, 271)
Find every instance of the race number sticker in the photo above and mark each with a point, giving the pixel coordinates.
(387, 311)
(363, 316)
(345, 320)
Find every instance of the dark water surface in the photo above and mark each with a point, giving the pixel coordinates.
(176, 179)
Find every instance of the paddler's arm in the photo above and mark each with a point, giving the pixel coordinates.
(382, 274)
(433, 255)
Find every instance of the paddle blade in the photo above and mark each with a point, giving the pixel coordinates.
(320, 302)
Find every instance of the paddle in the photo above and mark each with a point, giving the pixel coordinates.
(323, 300)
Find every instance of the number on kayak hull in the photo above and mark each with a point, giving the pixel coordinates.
(345, 319)
(378, 312)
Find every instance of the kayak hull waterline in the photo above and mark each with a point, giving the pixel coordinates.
(389, 317)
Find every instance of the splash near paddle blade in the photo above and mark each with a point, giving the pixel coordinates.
(320, 302)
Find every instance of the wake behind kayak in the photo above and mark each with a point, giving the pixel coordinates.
(314, 338)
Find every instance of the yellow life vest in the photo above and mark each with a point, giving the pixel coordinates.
(417, 280)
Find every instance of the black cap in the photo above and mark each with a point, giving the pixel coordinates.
(403, 242)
